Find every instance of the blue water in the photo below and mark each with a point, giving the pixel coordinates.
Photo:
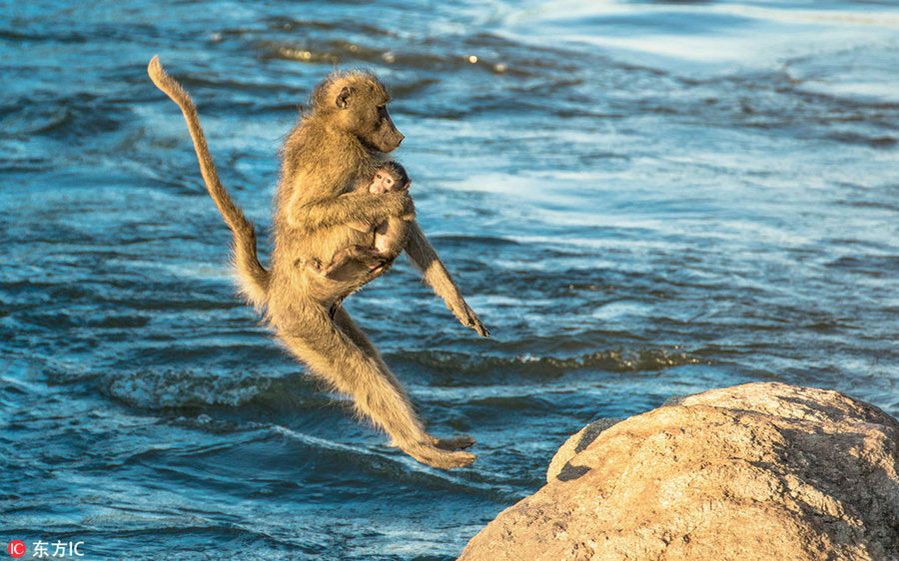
(640, 199)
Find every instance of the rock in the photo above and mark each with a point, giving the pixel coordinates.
(755, 472)
(559, 467)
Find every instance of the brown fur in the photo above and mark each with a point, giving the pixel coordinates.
(392, 234)
(389, 236)
(334, 149)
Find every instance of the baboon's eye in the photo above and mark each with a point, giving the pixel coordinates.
(388, 181)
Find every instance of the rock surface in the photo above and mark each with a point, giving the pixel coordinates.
(755, 472)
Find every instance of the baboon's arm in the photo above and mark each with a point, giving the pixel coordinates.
(425, 258)
(356, 206)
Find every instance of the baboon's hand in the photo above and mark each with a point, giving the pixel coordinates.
(389, 205)
(467, 316)
(408, 208)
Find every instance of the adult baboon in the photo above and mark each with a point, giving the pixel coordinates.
(335, 148)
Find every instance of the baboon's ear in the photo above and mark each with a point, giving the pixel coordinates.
(343, 98)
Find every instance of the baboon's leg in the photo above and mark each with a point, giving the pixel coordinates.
(391, 236)
(348, 326)
(333, 356)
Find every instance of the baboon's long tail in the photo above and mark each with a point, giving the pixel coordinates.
(254, 279)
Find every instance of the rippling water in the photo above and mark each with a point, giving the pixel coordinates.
(640, 199)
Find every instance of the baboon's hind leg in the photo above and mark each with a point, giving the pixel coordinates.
(333, 356)
(348, 326)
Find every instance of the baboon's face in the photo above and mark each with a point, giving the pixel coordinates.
(383, 183)
(386, 137)
(363, 107)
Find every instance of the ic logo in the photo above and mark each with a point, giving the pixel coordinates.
(16, 548)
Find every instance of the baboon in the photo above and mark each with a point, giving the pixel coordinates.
(389, 236)
(335, 148)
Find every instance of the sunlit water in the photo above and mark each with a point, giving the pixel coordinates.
(640, 199)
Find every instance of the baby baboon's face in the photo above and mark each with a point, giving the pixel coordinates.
(382, 183)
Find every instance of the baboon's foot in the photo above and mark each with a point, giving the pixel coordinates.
(458, 442)
(442, 459)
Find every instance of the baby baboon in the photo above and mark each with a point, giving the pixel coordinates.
(327, 163)
(389, 236)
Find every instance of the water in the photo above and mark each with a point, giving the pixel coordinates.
(640, 199)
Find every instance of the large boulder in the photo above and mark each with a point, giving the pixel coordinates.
(755, 472)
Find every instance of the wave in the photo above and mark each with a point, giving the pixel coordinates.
(186, 388)
(619, 360)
